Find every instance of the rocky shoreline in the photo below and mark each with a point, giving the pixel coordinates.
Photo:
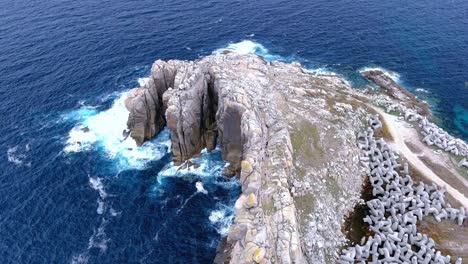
(292, 139)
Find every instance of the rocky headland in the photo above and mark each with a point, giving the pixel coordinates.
(329, 173)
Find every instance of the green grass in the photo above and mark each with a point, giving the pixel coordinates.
(304, 204)
(305, 139)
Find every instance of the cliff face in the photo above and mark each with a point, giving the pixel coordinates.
(287, 134)
(290, 136)
(145, 103)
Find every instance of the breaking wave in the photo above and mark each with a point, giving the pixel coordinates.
(250, 47)
(103, 129)
(221, 219)
(207, 165)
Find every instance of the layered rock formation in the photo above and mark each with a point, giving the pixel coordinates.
(289, 135)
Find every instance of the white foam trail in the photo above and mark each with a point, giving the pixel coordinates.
(104, 129)
(200, 188)
(100, 208)
(96, 184)
(395, 76)
(99, 238)
(185, 202)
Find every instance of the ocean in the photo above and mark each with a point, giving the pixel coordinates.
(67, 196)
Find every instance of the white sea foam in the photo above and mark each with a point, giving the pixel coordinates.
(113, 212)
(321, 71)
(100, 208)
(250, 47)
(80, 259)
(421, 90)
(216, 216)
(203, 167)
(13, 157)
(96, 184)
(104, 130)
(143, 81)
(99, 238)
(200, 188)
(221, 219)
(395, 76)
(18, 157)
(244, 47)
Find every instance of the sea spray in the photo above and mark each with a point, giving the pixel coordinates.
(251, 47)
(221, 218)
(102, 130)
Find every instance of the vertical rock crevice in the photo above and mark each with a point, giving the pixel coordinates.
(145, 103)
(241, 100)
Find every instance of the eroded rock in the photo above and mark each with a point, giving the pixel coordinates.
(288, 134)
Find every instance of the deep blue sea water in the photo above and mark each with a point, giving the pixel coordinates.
(66, 64)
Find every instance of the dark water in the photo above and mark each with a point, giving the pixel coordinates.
(64, 65)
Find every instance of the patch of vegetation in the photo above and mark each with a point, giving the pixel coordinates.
(333, 188)
(384, 132)
(304, 204)
(449, 237)
(305, 139)
(268, 206)
(353, 102)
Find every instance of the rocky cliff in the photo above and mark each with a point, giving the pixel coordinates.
(289, 135)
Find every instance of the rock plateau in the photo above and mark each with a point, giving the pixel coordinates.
(294, 140)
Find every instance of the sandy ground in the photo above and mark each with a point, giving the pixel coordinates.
(455, 184)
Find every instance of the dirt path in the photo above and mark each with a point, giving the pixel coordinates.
(401, 133)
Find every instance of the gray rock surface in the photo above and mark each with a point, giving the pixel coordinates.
(252, 107)
(395, 91)
(292, 139)
(145, 104)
